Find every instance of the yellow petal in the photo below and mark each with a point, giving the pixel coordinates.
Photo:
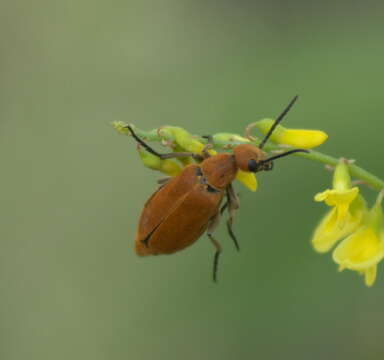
(342, 214)
(370, 275)
(360, 251)
(319, 197)
(364, 249)
(336, 197)
(301, 138)
(341, 199)
(248, 179)
(330, 230)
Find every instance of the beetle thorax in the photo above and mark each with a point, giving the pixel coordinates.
(219, 170)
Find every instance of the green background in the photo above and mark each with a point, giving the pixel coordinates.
(72, 189)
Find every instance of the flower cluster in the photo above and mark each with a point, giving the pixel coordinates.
(357, 231)
(179, 140)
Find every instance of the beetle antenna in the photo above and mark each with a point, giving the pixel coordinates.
(285, 154)
(277, 121)
(141, 142)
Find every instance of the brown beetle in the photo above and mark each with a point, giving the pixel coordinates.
(188, 205)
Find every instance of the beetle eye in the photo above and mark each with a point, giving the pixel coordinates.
(253, 166)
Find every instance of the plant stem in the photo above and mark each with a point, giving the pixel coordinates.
(356, 171)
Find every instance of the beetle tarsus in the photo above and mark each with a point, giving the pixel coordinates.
(232, 234)
(215, 265)
(216, 256)
(214, 222)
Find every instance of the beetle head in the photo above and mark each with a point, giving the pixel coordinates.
(264, 165)
(252, 159)
(249, 157)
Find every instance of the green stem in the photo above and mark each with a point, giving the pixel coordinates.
(227, 141)
(356, 171)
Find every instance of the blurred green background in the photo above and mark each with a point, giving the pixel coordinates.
(71, 286)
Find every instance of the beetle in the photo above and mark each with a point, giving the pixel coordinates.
(189, 204)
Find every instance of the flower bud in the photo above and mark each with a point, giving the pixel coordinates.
(225, 139)
(121, 127)
(300, 138)
(168, 167)
(183, 139)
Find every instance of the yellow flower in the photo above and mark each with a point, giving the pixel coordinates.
(329, 232)
(364, 249)
(341, 200)
(300, 138)
(348, 209)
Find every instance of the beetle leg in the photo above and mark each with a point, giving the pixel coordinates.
(214, 222)
(208, 146)
(223, 208)
(233, 205)
(197, 157)
(205, 150)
